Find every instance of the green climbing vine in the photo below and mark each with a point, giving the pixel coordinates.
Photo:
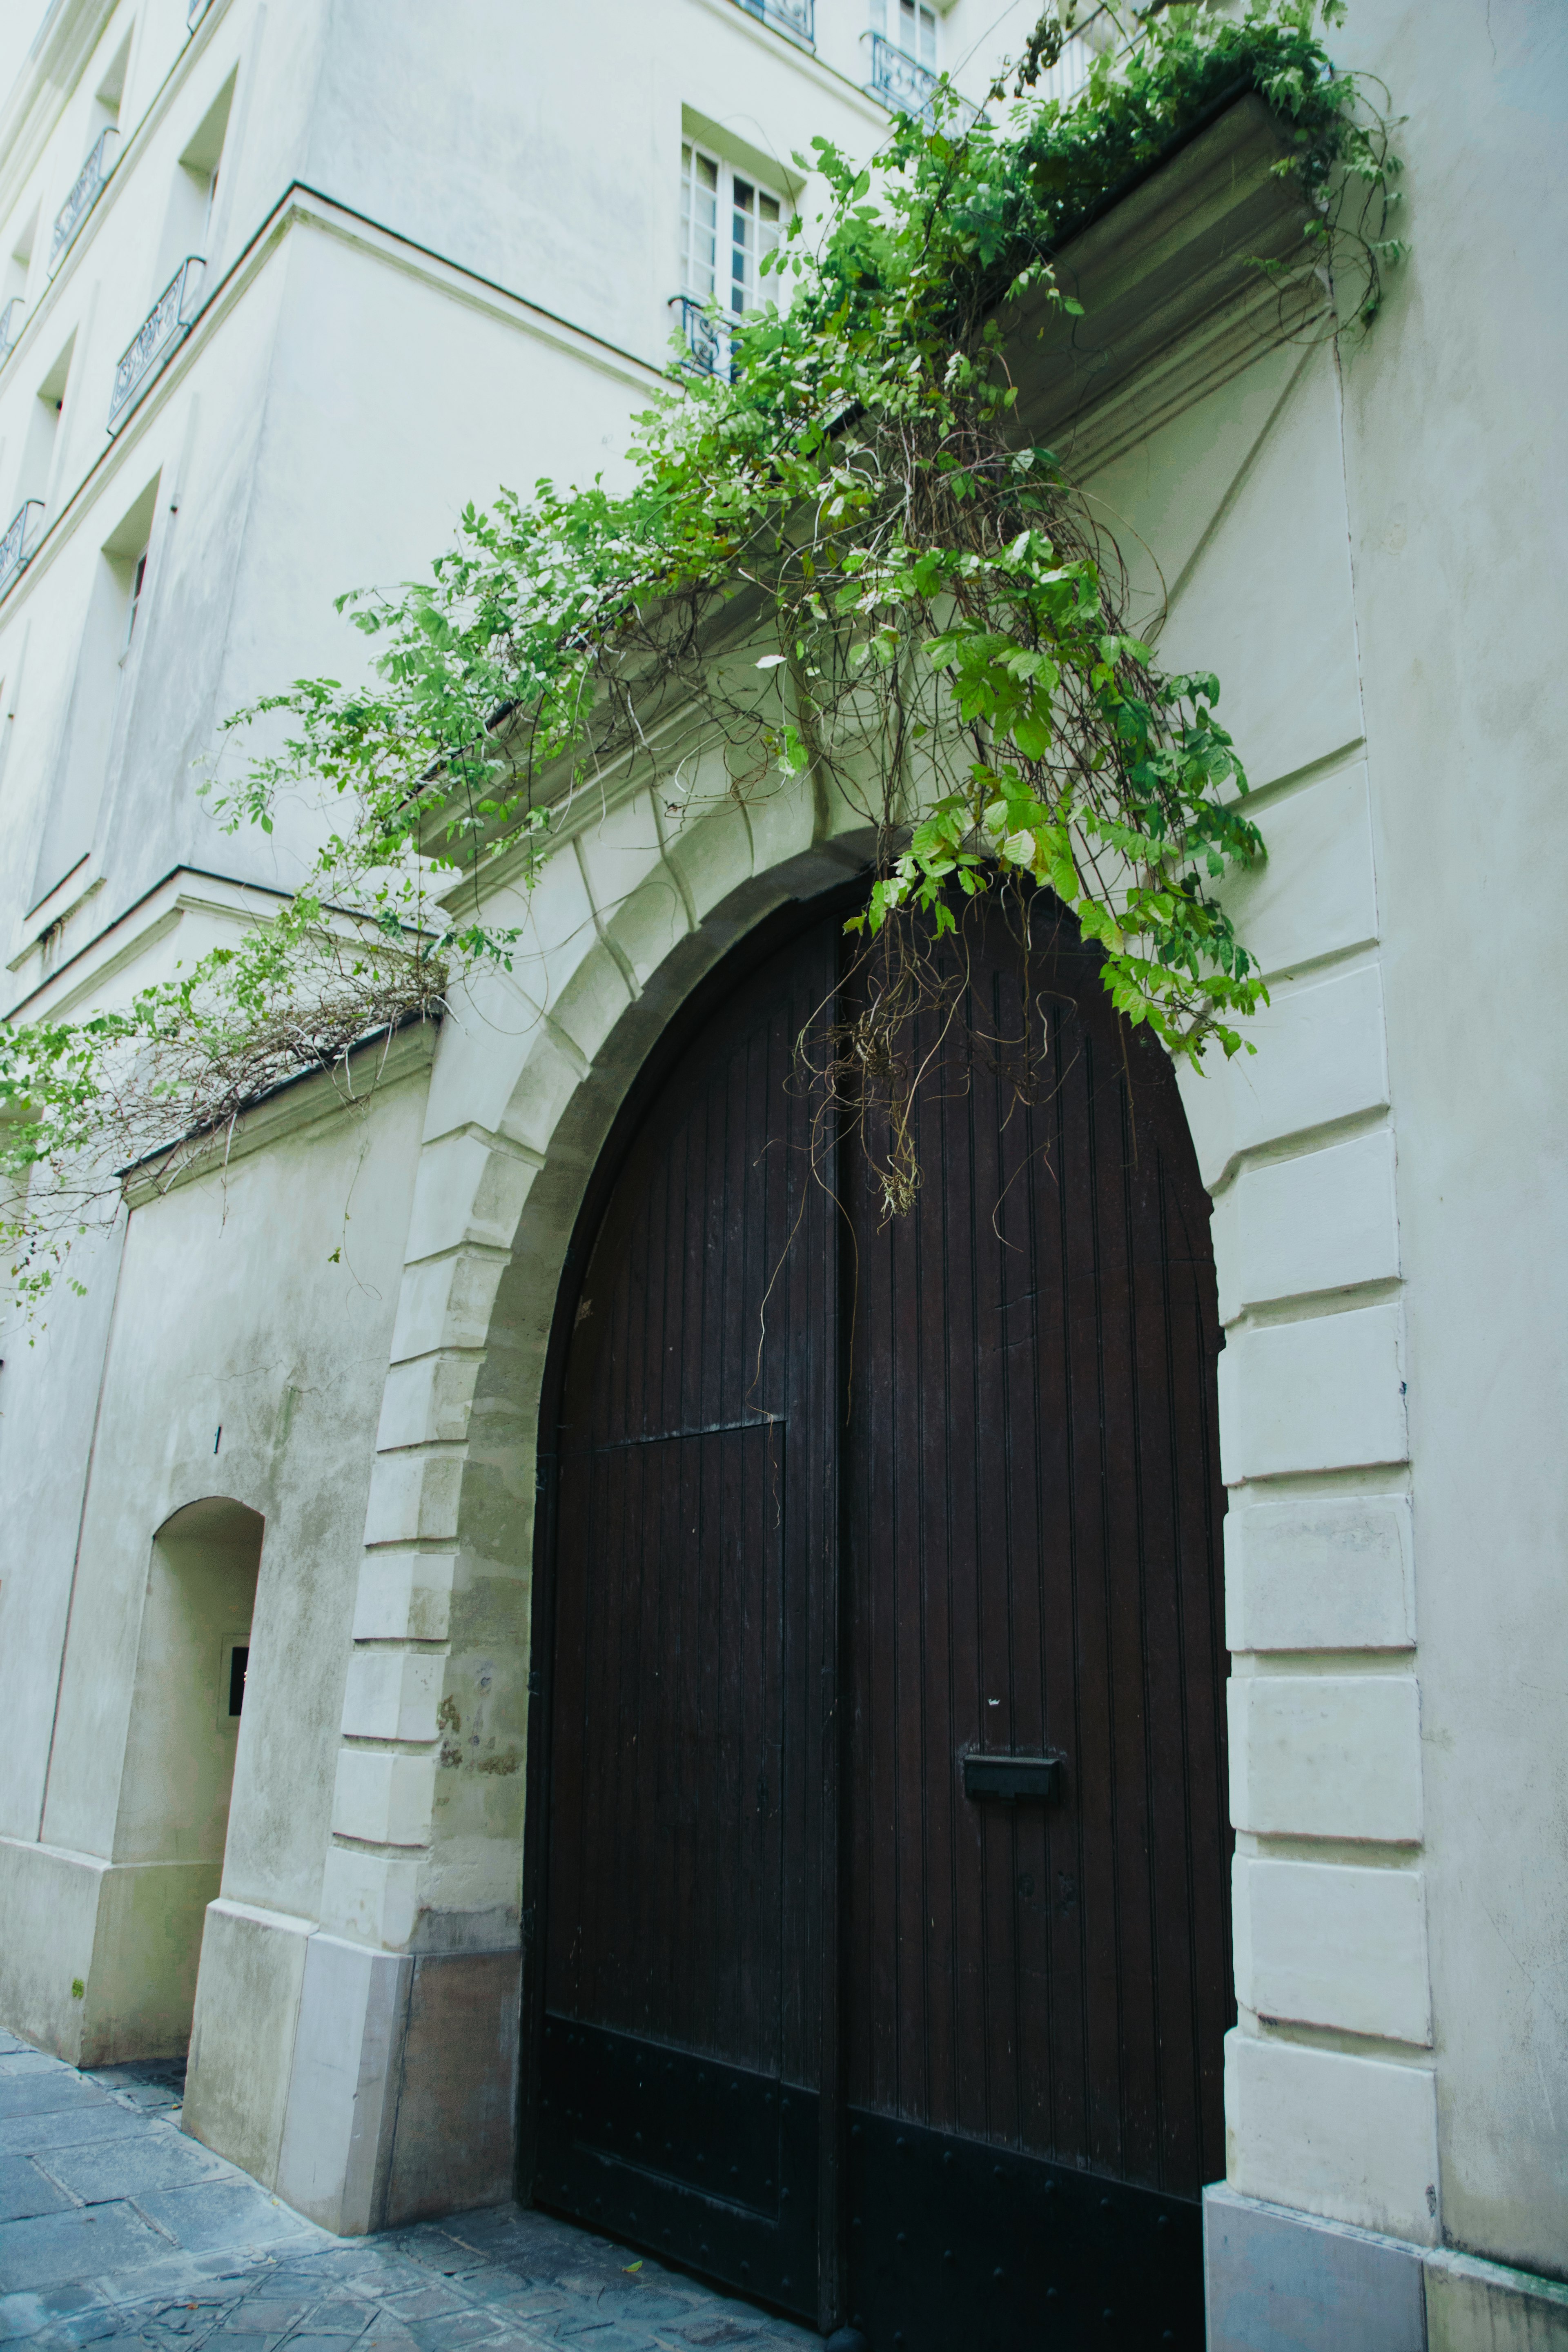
(842, 560)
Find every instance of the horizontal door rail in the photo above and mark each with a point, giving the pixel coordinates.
(668, 1436)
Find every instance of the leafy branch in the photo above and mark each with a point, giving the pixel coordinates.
(844, 557)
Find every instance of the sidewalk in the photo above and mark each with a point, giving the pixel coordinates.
(115, 2229)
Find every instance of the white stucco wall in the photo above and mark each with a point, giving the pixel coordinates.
(246, 1360)
(1458, 504)
(1388, 1179)
(49, 1407)
(431, 267)
(1363, 545)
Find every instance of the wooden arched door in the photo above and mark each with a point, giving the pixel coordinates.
(880, 1846)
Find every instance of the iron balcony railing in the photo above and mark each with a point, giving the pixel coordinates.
(707, 338)
(21, 538)
(11, 318)
(1064, 81)
(899, 81)
(167, 323)
(796, 20)
(86, 190)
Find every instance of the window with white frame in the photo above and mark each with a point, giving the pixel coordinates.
(909, 25)
(729, 224)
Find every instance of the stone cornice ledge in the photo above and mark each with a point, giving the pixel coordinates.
(1174, 302)
(310, 1100)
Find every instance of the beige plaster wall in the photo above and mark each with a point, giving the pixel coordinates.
(1458, 501)
(258, 1305)
(1363, 544)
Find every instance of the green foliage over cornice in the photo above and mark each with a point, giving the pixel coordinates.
(842, 557)
(1069, 165)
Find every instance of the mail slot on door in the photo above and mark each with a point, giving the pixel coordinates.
(1014, 1779)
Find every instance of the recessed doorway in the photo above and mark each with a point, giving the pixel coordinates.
(191, 1669)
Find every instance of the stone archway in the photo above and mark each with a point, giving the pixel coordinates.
(401, 2097)
(403, 2087)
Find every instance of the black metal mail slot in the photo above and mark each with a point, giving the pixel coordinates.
(1016, 1779)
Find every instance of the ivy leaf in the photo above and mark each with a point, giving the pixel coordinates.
(1032, 733)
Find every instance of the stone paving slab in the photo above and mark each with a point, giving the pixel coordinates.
(24, 2191)
(210, 2216)
(55, 2248)
(126, 2165)
(45, 2094)
(118, 2231)
(66, 2127)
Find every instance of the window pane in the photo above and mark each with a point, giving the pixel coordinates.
(769, 228)
(928, 36)
(742, 243)
(700, 221)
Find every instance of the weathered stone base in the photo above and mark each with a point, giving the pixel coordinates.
(1280, 2280)
(367, 2088)
(129, 1933)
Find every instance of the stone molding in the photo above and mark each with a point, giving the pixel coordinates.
(626, 914)
(1278, 2276)
(300, 1102)
(1174, 302)
(112, 1925)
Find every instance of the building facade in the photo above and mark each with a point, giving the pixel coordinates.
(284, 288)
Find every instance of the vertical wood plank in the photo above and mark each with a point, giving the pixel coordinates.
(1033, 1520)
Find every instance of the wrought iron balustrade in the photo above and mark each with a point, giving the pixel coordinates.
(10, 326)
(707, 338)
(1064, 81)
(899, 81)
(166, 323)
(21, 538)
(796, 20)
(86, 190)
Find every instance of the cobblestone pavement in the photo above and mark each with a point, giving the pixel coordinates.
(116, 2230)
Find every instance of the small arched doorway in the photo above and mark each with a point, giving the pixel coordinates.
(192, 1664)
(879, 1783)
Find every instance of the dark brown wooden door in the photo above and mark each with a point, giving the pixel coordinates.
(684, 1944)
(1037, 1992)
(891, 1495)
